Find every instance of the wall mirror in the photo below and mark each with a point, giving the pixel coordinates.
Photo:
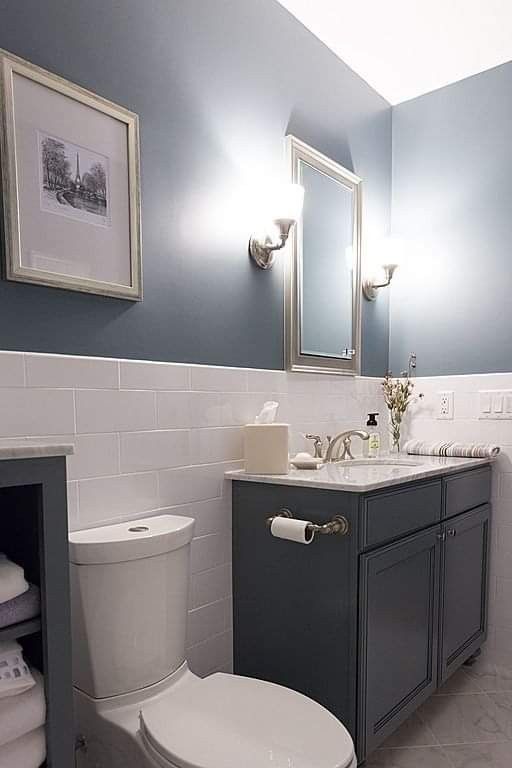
(324, 266)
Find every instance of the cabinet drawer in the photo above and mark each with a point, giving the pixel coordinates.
(387, 516)
(467, 491)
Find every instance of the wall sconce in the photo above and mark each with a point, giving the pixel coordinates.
(391, 252)
(287, 211)
(370, 288)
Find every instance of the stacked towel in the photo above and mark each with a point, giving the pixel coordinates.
(15, 677)
(29, 751)
(12, 579)
(462, 450)
(19, 600)
(21, 608)
(22, 697)
(24, 713)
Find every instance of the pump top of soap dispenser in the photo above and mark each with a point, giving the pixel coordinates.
(372, 420)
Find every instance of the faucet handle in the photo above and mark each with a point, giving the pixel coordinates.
(317, 445)
(347, 448)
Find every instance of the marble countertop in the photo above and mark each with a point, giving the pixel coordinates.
(32, 450)
(361, 475)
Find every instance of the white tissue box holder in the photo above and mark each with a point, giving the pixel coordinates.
(266, 449)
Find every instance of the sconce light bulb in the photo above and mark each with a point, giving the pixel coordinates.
(389, 269)
(289, 200)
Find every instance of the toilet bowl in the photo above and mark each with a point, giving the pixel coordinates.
(137, 704)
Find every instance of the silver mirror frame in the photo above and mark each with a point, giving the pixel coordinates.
(298, 151)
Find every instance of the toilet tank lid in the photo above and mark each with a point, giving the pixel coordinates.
(131, 540)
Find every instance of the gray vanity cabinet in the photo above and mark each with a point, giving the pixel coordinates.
(465, 557)
(398, 624)
(371, 623)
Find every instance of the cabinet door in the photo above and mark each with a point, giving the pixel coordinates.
(465, 559)
(399, 612)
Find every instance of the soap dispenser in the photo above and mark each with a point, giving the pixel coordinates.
(374, 441)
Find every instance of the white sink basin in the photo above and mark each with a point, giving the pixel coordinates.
(365, 471)
(388, 462)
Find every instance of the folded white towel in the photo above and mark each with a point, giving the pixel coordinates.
(12, 579)
(462, 450)
(15, 675)
(28, 751)
(22, 714)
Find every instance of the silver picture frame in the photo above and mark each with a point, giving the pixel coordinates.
(87, 207)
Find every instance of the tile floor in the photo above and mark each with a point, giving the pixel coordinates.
(468, 724)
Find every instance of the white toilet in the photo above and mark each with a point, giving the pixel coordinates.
(137, 703)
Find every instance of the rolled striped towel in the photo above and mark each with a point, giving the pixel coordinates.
(461, 450)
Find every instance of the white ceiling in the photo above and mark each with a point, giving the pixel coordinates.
(404, 48)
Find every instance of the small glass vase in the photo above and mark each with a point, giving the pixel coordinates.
(395, 428)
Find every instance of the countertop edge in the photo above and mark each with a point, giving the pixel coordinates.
(433, 471)
(35, 451)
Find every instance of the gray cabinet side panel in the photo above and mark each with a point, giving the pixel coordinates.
(295, 605)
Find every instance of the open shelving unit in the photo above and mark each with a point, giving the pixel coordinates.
(34, 534)
(22, 629)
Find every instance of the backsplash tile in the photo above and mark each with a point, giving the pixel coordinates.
(173, 410)
(109, 499)
(114, 411)
(189, 484)
(210, 378)
(154, 376)
(12, 370)
(95, 455)
(60, 371)
(25, 412)
(155, 437)
(142, 451)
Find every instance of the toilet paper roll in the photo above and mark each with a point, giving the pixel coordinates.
(292, 530)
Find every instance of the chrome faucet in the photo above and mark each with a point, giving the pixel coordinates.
(317, 445)
(346, 439)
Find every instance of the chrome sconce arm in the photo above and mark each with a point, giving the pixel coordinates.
(264, 251)
(284, 211)
(370, 288)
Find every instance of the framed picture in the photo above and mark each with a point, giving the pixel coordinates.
(71, 184)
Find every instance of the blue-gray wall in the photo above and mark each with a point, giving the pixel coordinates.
(452, 203)
(217, 86)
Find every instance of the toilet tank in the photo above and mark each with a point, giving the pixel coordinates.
(129, 590)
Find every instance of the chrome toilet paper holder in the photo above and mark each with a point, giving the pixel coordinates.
(338, 525)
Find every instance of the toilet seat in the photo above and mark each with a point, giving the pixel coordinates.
(227, 721)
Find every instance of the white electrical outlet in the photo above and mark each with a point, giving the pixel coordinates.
(445, 405)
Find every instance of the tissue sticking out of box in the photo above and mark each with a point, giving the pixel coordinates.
(266, 443)
(268, 413)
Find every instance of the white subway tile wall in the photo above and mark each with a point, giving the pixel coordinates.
(495, 667)
(155, 437)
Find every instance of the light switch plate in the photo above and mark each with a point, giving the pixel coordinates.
(495, 404)
(485, 404)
